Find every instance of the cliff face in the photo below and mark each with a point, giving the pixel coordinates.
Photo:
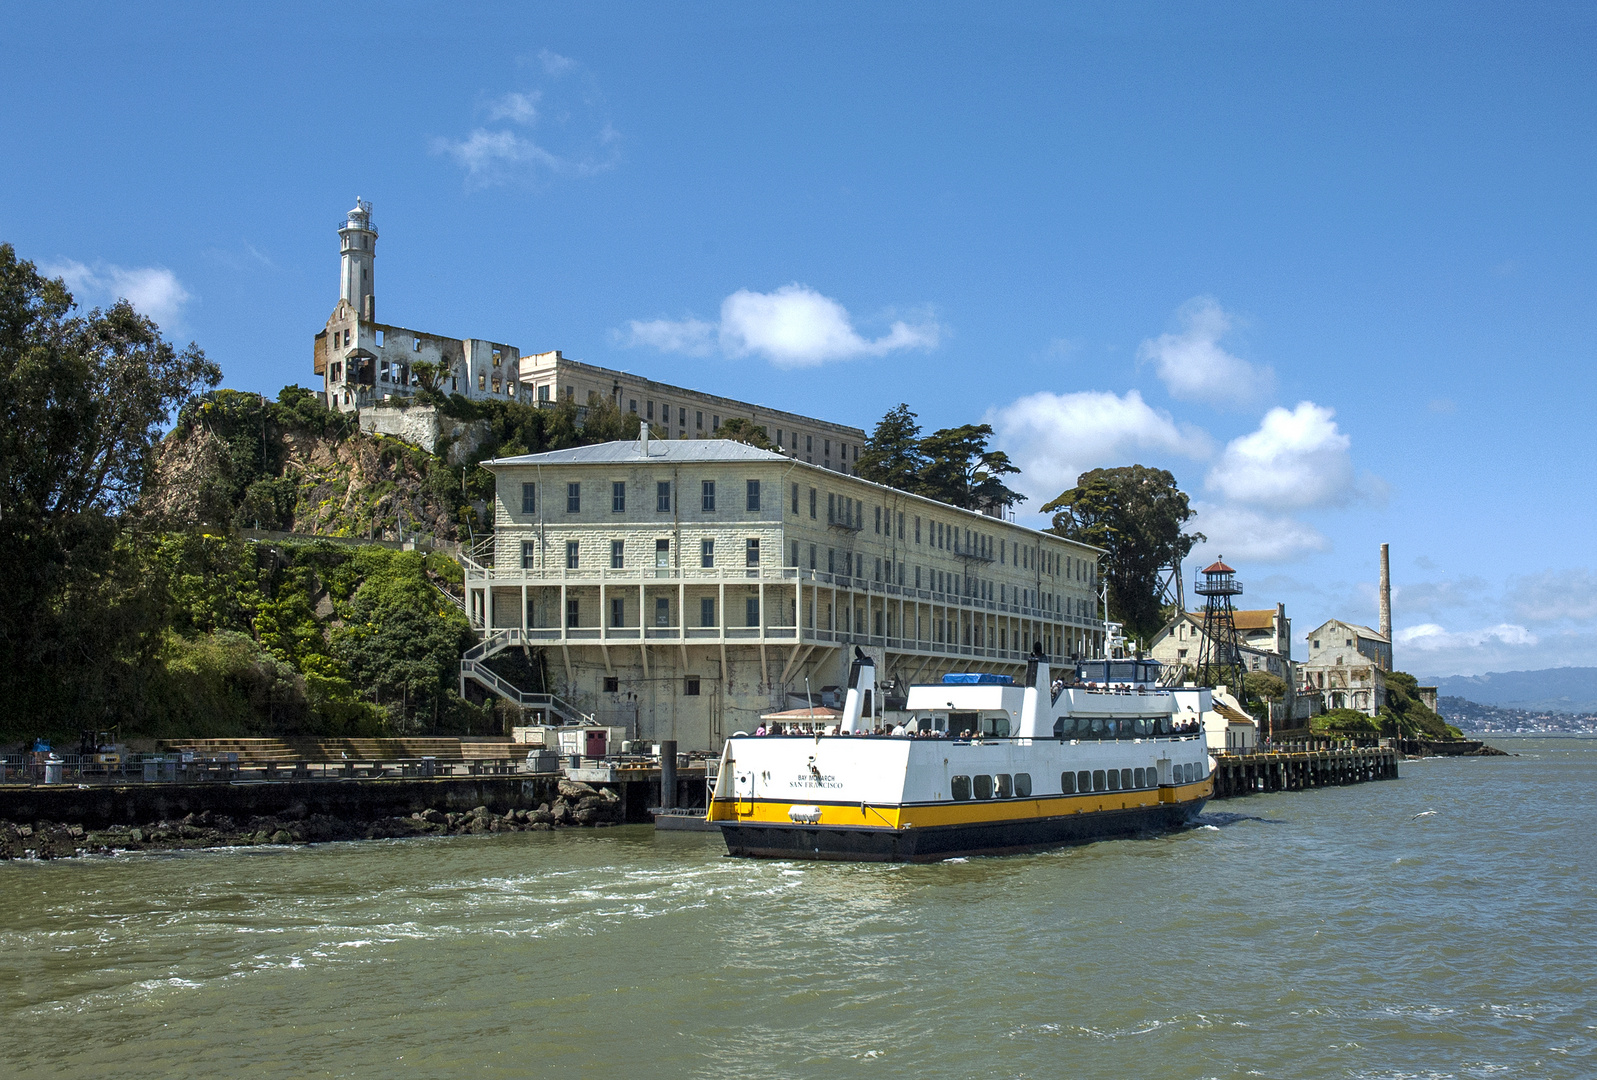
(235, 464)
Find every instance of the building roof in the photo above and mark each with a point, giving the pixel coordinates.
(1233, 715)
(1255, 620)
(666, 451)
(1218, 567)
(660, 450)
(1361, 631)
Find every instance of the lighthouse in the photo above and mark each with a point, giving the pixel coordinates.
(357, 245)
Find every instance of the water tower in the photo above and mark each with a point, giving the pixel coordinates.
(1220, 657)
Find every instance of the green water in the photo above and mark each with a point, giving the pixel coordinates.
(1319, 934)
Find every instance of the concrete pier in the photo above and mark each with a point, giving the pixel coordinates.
(1244, 774)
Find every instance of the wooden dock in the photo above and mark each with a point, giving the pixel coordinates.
(1297, 770)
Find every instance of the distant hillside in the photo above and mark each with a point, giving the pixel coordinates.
(1472, 717)
(1564, 690)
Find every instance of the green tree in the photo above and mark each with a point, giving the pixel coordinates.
(401, 641)
(740, 429)
(1136, 515)
(962, 471)
(892, 455)
(83, 400)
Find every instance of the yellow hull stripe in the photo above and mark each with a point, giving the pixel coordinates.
(931, 815)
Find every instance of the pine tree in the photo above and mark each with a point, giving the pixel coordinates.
(892, 455)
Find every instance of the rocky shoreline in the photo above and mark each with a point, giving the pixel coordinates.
(575, 805)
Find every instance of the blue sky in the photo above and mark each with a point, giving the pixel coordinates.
(1333, 265)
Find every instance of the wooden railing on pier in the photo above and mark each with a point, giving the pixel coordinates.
(1297, 770)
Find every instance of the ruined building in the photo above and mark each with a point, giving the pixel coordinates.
(363, 362)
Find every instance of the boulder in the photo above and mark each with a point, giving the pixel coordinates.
(575, 789)
(561, 814)
(281, 836)
(435, 817)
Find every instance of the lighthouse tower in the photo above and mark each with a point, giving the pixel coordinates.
(1220, 658)
(357, 244)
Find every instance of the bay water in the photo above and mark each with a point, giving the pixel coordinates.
(1434, 926)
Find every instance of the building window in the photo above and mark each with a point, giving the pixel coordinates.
(662, 611)
(778, 437)
(571, 554)
(573, 612)
(878, 521)
(662, 496)
(632, 407)
(751, 611)
(831, 560)
(612, 684)
(573, 498)
(618, 611)
(715, 423)
(690, 686)
(529, 498)
(617, 554)
(529, 554)
(831, 508)
(707, 496)
(543, 392)
(795, 500)
(707, 553)
(901, 526)
(795, 558)
(662, 554)
(649, 411)
(752, 554)
(698, 418)
(753, 499)
(618, 497)
(682, 418)
(706, 611)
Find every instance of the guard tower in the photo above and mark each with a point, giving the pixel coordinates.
(357, 244)
(1220, 656)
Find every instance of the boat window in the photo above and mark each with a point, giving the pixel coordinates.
(984, 787)
(995, 726)
(1164, 725)
(1004, 788)
(1099, 727)
(1059, 728)
(959, 788)
(1067, 783)
(1023, 785)
(1141, 726)
(1114, 728)
(1097, 780)
(1181, 774)
(961, 722)
(1140, 777)
(1114, 779)
(1084, 781)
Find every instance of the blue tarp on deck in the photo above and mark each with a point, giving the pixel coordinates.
(979, 680)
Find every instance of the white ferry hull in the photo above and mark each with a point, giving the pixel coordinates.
(929, 844)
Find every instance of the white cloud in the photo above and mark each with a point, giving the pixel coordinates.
(153, 290)
(574, 135)
(1555, 595)
(793, 326)
(517, 108)
(1193, 365)
(691, 336)
(1295, 459)
(1429, 637)
(1244, 535)
(1054, 438)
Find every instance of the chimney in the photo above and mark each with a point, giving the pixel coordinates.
(1386, 593)
(643, 443)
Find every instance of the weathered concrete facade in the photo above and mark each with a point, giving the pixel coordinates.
(675, 412)
(1347, 666)
(685, 587)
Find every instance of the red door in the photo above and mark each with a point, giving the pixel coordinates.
(596, 741)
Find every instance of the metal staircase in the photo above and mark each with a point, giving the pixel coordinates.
(555, 710)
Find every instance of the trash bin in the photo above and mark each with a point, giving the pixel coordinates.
(52, 770)
(429, 766)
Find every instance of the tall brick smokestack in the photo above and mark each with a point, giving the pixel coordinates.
(1386, 593)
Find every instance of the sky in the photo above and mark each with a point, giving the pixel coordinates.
(1330, 264)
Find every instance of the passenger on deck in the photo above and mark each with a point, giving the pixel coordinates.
(761, 729)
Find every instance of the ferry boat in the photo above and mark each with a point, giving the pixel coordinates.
(981, 766)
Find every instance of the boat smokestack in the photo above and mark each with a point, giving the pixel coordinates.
(859, 705)
(1386, 593)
